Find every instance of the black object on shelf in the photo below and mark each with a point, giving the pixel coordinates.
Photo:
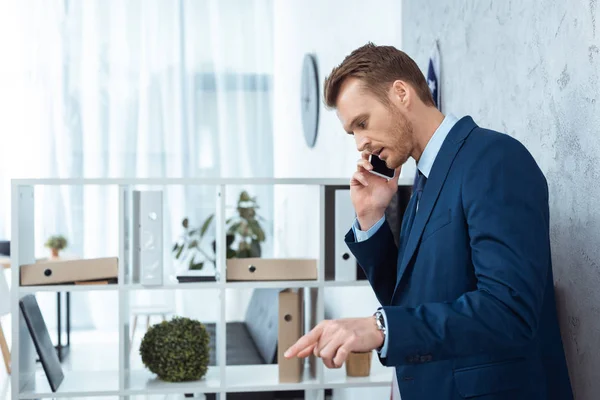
(41, 339)
(5, 247)
(62, 350)
(196, 278)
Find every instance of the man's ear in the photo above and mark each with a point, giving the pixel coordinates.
(401, 93)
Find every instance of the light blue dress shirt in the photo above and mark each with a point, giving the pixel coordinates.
(424, 165)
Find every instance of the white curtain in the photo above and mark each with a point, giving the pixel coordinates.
(145, 88)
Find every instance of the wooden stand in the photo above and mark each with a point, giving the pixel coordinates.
(359, 364)
(5, 350)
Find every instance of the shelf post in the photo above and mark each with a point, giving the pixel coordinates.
(321, 278)
(221, 276)
(123, 280)
(22, 252)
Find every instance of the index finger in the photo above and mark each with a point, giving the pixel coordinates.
(305, 341)
(364, 164)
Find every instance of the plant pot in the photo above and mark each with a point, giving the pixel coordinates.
(359, 364)
(54, 253)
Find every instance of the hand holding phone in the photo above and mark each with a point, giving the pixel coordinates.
(371, 195)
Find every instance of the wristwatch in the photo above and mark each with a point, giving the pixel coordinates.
(380, 321)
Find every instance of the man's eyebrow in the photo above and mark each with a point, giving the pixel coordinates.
(350, 129)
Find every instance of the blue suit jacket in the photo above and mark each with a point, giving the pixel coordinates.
(470, 302)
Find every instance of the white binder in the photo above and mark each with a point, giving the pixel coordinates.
(345, 263)
(148, 237)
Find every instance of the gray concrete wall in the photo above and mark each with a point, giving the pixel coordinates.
(531, 69)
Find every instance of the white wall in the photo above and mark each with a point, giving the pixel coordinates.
(330, 30)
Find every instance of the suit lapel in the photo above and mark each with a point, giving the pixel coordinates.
(435, 182)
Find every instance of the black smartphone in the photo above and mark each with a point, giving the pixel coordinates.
(380, 169)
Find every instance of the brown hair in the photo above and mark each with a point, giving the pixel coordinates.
(377, 67)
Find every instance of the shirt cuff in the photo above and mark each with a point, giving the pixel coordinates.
(384, 348)
(361, 236)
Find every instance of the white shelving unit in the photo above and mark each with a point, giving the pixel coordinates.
(29, 383)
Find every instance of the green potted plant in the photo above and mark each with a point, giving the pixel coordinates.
(56, 243)
(245, 234)
(243, 239)
(189, 248)
(177, 350)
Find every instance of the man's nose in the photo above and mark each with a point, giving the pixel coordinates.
(362, 143)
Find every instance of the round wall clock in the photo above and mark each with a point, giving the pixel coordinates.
(310, 99)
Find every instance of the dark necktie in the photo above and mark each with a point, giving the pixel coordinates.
(411, 209)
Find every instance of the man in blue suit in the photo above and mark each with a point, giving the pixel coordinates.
(468, 307)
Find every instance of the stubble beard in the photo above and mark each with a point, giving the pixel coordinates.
(402, 133)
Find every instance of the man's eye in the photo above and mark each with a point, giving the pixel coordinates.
(362, 125)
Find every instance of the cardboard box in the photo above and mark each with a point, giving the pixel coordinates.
(271, 269)
(290, 328)
(69, 271)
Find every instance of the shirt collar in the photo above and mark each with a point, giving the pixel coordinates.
(435, 144)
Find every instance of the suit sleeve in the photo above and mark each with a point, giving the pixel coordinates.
(378, 258)
(505, 201)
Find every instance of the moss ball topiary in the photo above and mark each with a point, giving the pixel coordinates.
(176, 350)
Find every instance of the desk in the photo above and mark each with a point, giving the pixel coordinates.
(61, 349)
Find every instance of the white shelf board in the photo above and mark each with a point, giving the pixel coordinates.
(346, 283)
(183, 181)
(194, 285)
(67, 288)
(145, 382)
(241, 378)
(403, 181)
(379, 376)
(259, 378)
(76, 384)
(228, 285)
(271, 284)
(176, 286)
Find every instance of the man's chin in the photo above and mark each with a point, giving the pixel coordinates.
(392, 163)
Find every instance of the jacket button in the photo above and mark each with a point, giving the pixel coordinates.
(426, 358)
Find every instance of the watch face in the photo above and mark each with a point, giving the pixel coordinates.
(310, 99)
(380, 320)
